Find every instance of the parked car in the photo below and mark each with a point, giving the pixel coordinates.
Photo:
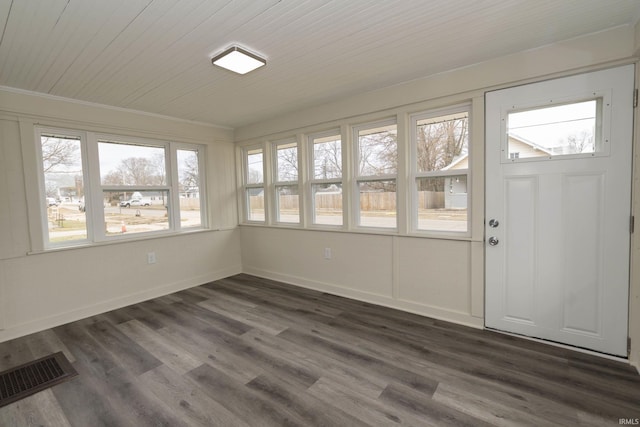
(51, 201)
(133, 202)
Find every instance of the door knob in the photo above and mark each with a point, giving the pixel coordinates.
(493, 223)
(493, 241)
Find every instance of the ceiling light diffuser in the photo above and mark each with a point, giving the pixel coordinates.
(238, 60)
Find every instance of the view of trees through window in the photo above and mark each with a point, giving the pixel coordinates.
(377, 171)
(436, 163)
(254, 191)
(441, 156)
(288, 200)
(63, 187)
(326, 179)
(134, 189)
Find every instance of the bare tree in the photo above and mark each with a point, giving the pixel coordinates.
(140, 171)
(287, 161)
(581, 142)
(438, 145)
(189, 175)
(58, 152)
(327, 159)
(378, 153)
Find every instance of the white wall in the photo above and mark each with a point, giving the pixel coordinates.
(435, 277)
(412, 274)
(41, 290)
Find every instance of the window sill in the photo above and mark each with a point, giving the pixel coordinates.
(363, 231)
(121, 241)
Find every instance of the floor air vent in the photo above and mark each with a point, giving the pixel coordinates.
(30, 378)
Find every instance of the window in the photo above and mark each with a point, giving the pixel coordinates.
(286, 182)
(133, 189)
(62, 187)
(560, 130)
(326, 178)
(254, 184)
(376, 174)
(440, 142)
(133, 180)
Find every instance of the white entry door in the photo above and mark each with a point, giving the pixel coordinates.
(558, 203)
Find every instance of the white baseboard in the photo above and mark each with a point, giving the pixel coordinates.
(383, 300)
(113, 304)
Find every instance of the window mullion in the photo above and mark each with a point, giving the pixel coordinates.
(171, 156)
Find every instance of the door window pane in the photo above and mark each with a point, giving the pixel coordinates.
(64, 188)
(189, 188)
(442, 203)
(554, 131)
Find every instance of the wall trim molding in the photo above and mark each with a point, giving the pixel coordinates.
(41, 324)
(461, 318)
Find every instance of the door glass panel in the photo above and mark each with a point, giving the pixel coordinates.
(560, 130)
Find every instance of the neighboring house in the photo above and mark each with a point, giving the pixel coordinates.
(455, 192)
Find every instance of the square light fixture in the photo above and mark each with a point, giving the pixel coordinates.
(238, 60)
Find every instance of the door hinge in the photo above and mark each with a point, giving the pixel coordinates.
(632, 224)
(628, 346)
(635, 98)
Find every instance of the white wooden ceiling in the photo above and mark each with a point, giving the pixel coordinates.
(154, 55)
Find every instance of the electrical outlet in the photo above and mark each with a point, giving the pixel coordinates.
(151, 258)
(327, 253)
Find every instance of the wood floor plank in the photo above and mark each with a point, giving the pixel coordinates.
(359, 381)
(244, 403)
(246, 316)
(249, 351)
(434, 413)
(187, 400)
(368, 409)
(487, 409)
(40, 409)
(175, 357)
(301, 404)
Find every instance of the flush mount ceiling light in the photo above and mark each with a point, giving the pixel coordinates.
(238, 60)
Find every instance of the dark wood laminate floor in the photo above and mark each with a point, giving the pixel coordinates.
(245, 351)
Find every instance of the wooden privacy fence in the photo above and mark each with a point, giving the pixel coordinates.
(368, 201)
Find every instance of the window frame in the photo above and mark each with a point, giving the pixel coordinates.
(42, 193)
(313, 181)
(415, 174)
(246, 186)
(277, 183)
(357, 179)
(94, 188)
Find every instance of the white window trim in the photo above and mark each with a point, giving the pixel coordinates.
(94, 189)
